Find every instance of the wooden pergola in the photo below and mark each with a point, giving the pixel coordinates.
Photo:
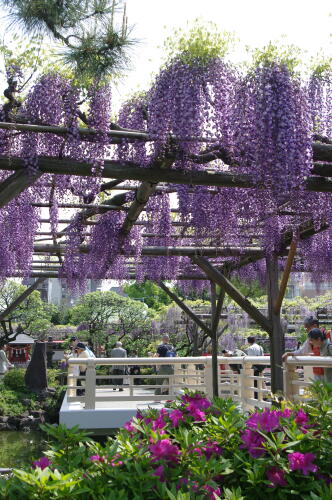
(160, 177)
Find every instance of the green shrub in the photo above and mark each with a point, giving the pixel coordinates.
(14, 379)
(10, 405)
(195, 450)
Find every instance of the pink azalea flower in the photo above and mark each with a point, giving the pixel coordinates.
(159, 472)
(182, 481)
(159, 423)
(277, 477)
(176, 416)
(286, 413)
(197, 400)
(302, 462)
(129, 427)
(42, 463)
(301, 417)
(196, 413)
(212, 448)
(164, 450)
(253, 441)
(212, 491)
(267, 421)
(96, 458)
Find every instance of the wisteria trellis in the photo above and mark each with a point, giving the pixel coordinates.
(263, 121)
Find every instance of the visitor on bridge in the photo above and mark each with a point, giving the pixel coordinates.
(165, 350)
(81, 353)
(234, 354)
(118, 352)
(316, 345)
(73, 344)
(309, 324)
(255, 349)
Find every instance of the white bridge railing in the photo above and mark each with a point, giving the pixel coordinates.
(193, 373)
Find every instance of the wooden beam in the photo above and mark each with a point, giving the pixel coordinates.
(236, 295)
(277, 334)
(285, 276)
(167, 251)
(15, 184)
(185, 309)
(126, 170)
(21, 298)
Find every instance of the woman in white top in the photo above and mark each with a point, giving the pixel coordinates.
(4, 363)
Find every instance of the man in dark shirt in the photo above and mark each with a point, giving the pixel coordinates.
(164, 350)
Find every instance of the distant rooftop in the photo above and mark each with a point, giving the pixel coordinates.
(22, 338)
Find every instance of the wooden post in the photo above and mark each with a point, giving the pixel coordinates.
(214, 342)
(285, 276)
(277, 334)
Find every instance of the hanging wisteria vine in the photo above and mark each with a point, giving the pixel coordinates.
(261, 123)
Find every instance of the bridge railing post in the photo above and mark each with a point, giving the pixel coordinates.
(90, 385)
(246, 383)
(290, 375)
(208, 378)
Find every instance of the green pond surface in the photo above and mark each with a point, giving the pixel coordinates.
(19, 449)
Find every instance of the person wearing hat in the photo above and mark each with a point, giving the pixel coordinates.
(81, 353)
(310, 322)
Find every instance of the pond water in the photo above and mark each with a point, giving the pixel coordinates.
(18, 448)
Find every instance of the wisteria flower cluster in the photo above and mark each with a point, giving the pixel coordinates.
(204, 114)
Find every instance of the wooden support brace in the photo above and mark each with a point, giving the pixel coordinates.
(15, 184)
(21, 298)
(285, 276)
(185, 309)
(142, 196)
(238, 297)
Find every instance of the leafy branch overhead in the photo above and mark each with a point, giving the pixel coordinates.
(93, 33)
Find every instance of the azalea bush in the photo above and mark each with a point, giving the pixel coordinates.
(193, 449)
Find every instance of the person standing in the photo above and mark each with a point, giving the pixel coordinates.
(165, 350)
(83, 354)
(5, 364)
(320, 346)
(310, 323)
(255, 349)
(118, 352)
